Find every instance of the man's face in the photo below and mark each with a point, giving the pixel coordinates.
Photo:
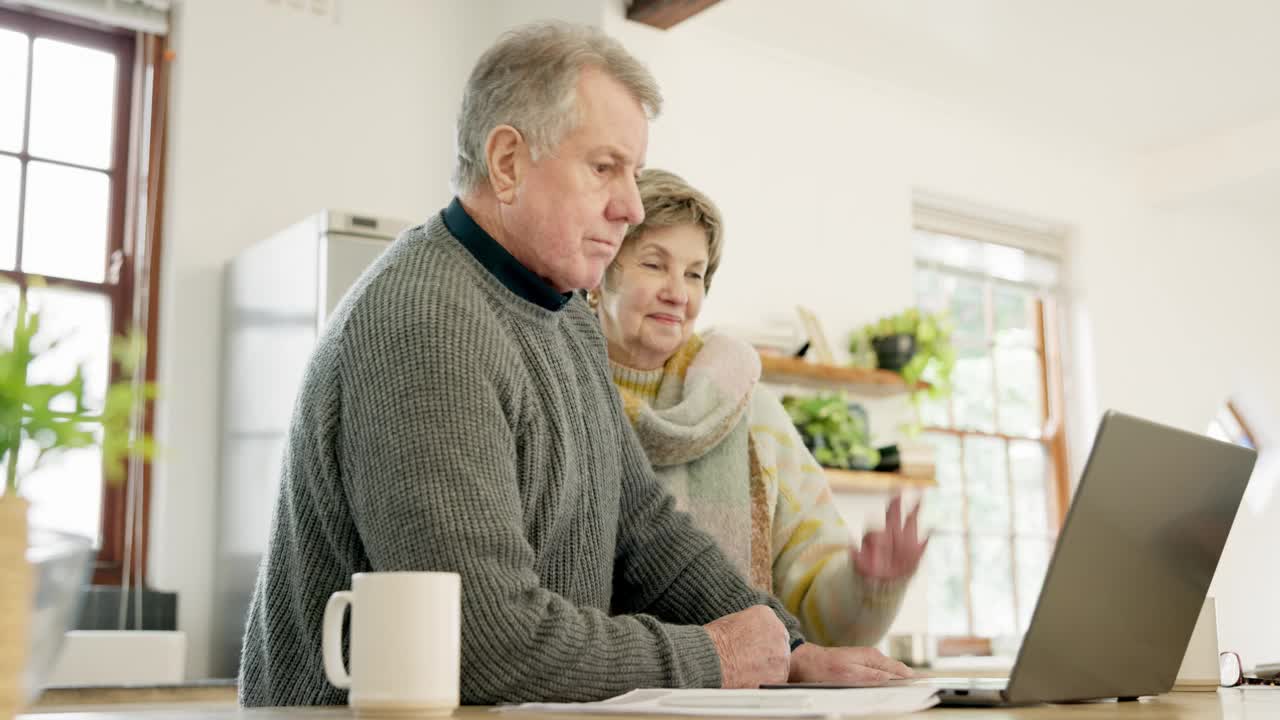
(573, 205)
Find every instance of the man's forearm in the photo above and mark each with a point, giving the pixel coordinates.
(706, 586)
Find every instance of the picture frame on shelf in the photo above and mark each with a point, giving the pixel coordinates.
(819, 347)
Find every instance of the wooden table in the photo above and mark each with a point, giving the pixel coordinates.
(1252, 704)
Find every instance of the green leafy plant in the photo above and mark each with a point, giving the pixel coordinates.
(837, 437)
(934, 358)
(51, 417)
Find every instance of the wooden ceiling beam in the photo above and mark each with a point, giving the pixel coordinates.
(666, 14)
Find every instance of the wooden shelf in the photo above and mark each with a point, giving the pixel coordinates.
(866, 480)
(782, 370)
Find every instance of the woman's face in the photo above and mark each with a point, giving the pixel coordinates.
(652, 294)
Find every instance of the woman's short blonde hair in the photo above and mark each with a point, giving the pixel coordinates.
(670, 201)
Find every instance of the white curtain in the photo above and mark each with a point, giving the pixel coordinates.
(150, 16)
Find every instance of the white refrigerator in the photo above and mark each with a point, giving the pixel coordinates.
(278, 294)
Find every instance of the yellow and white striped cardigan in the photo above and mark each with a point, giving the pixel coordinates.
(725, 447)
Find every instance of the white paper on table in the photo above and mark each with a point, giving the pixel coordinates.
(797, 703)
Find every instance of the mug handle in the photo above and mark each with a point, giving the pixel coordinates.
(331, 646)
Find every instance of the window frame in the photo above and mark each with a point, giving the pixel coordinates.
(119, 262)
(1047, 333)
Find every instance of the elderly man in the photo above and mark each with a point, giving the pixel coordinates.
(458, 415)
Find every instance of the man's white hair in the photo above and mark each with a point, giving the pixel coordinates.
(529, 80)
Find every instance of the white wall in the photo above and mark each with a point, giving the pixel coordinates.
(815, 167)
(1235, 314)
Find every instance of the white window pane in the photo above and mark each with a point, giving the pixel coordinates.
(65, 226)
(1031, 486)
(948, 597)
(944, 504)
(1033, 561)
(973, 396)
(935, 412)
(66, 489)
(80, 322)
(1041, 271)
(968, 310)
(72, 103)
(1021, 391)
(948, 250)
(987, 485)
(986, 258)
(1005, 262)
(13, 88)
(1012, 308)
(66, 492)
(931, 290)
(992, 587)
(10, 187)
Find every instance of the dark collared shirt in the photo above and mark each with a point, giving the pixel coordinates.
(502, 264)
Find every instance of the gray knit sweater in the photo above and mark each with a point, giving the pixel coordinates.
(445, 423)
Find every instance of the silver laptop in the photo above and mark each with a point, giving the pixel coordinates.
(1130, 572)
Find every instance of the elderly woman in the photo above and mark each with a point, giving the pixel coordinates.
(723, 444)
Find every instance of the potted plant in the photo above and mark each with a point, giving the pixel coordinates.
(916, 345)
(38, 420)
(836, 434)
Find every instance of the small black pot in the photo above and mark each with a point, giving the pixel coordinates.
(893, 352)
(890, 459)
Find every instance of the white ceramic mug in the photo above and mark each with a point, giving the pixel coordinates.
(405, 642)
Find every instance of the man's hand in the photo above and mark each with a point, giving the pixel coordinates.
(754, 647)
(844, 665)
(894, 552)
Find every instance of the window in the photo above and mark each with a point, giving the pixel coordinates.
(1229, 425)
(1247, 419)
(65, 100)
(1000, 450)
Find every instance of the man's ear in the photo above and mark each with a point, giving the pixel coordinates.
(503, 151)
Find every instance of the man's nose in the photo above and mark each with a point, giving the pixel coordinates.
(626, 205)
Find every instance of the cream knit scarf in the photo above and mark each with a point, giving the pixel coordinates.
(691, 417)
